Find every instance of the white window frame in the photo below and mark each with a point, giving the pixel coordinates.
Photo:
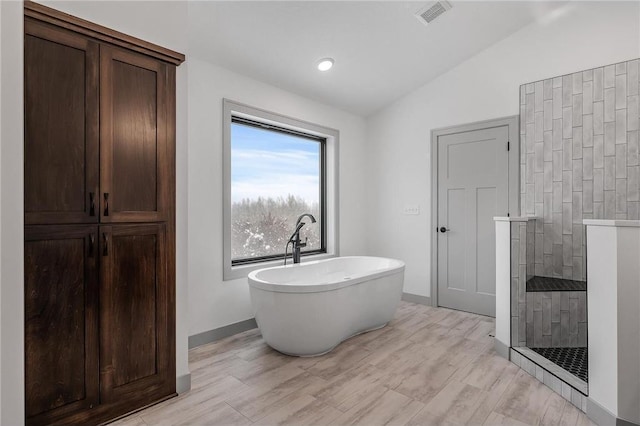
(236, 109)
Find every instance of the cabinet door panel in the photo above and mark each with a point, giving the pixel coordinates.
(136, 311)
(61, 126)
(61, 327)
(134, 140)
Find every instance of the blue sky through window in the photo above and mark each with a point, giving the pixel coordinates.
(271, 164)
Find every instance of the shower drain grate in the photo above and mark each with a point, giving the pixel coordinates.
(573, 360)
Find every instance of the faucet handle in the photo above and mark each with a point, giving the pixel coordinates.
(306, 239)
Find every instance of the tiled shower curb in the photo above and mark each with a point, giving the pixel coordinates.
(592, 409)
(568, 392)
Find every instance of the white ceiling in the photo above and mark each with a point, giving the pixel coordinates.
(381, 50)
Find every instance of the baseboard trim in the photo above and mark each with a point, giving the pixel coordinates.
(599, 414)
(501, 348)
(602, 416)
(220, 333)
(183, 383)
(415, 298)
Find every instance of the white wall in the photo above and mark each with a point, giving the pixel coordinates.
(587, 35)
(214, 303)
(602, 310)
(613, 298)
(628, 322)
(11, 214)
(503, 281)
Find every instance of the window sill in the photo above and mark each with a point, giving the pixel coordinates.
(242, 271)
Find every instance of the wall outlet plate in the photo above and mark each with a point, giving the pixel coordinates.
(411, 209)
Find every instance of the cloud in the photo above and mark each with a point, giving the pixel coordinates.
(260, 173)
(255, 162)
(266, 163)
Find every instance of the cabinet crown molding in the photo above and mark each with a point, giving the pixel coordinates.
(55, 17)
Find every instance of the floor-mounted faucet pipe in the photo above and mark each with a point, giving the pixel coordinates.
(294, 240)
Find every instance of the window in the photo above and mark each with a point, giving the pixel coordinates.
(276, 169)
(276, 175)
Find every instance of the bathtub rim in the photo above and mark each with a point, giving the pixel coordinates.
(398, 267)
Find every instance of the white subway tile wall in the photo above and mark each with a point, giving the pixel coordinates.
(579, 145)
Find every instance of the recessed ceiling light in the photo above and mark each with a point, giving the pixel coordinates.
(325, 64)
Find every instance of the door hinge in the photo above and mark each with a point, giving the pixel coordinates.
(508, 146)
(508, 215)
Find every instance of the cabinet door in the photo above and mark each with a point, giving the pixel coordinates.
(134, 167)
(61, 126)
(61, 321)
(137, 310)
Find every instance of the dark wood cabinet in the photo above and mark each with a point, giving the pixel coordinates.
(61, 320)
(133, 137)
(61, 126)
(136, 322)
(99, 220)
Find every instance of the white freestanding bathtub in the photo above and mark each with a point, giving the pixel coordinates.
(308, 309)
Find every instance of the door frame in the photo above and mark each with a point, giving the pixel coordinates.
(512, 122)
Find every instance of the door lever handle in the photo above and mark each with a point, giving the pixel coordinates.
(443, 229)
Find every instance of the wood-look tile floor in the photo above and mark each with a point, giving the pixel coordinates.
(429, 366)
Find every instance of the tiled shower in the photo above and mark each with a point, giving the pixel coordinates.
(578, 160)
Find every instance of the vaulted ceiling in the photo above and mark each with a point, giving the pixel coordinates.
(381, 50)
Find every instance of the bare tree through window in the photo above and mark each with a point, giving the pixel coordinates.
(275, 177)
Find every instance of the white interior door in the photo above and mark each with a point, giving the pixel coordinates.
(473, 175)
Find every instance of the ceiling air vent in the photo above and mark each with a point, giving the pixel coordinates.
(427, 14)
